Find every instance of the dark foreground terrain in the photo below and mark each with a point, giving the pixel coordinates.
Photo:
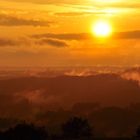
(74, 129)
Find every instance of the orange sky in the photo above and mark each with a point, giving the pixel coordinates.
(58, 32)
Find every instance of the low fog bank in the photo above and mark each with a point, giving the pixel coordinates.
(27, 95)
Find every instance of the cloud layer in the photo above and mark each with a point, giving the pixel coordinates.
(61, 40)
(9, 20)
(87, 36)
(52, 42)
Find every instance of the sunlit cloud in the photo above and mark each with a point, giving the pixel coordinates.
(9, 20)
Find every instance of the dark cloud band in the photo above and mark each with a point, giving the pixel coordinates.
(8, 20)
(88, 36)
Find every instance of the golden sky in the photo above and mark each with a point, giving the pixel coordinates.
(59, 32)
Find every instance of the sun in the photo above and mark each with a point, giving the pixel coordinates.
(102, 29)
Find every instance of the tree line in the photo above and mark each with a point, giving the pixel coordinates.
(75, 128)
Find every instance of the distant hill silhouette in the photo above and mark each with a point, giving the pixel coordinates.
(107, 89)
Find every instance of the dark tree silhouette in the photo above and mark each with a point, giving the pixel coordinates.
(76, 128)
(1, 135)
(26, 132)
(138, 132)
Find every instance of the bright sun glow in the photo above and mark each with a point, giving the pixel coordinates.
(102, 29)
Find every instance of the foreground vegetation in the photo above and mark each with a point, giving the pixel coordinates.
(73, 129)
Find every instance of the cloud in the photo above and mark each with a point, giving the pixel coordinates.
(127, 5)
(51, 1)
(60, 40)
(132, 74)
(74, 14)
(8, 20)
(52, 42)
(99, 4)
(127, 35)
(88, 36)
(67, 36)
(9, 42)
